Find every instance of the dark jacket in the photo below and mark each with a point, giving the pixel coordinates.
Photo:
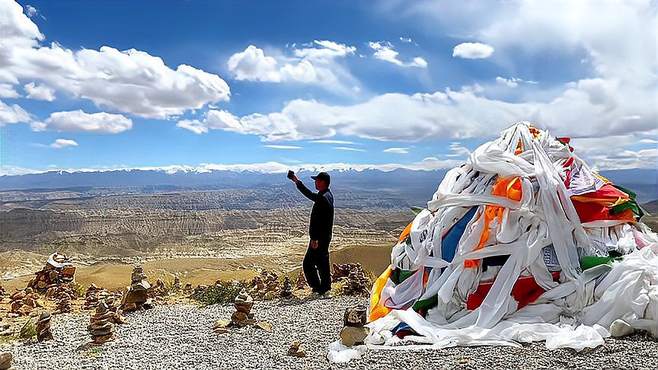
(322, 215)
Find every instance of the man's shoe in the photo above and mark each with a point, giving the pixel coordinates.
(326, 295)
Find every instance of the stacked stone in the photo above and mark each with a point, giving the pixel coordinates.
(158, 289)
(242, 315)
(286, 288)
(265, 286)
(177, 284)
(137, 297)
(55, 291)
(354, 332)
(356, 283)
(43, 327)
(342, 270)
(301, 281)
(2, 292)
(91, 297)
(24, 302)
(58, 270)
(101, 326)
(5, 360)
(64, 303)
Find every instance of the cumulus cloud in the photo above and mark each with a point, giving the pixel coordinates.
(79, 121)
(39, 92)
(129, 81)
(316, 64)
(8, 91)
(63, 143)
(472, 50)
(447, 114)
(396, 150)
(386, 52)
(12, 114)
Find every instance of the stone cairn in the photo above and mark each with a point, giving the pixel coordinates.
(158, 290)
(342, 270)
(242, 316)
(43, 327)
(57, 290)
(353, 278)
(64, 303)
(286, 288)
(354, 332)
(137, 298)
(177, 284)
(300, 283)
(101, 325)
(5, 360)
(265, 286)
(95, 294)
(58, 270)
(296, 349)
(2, 292)
(24, 302)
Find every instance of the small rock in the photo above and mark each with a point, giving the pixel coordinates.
(265, 326)
(43, 328)
(5, 360)
(296, 349)
(620, 328)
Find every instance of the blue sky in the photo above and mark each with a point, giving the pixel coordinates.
(417, 84)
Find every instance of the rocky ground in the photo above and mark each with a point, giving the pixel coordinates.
(180, 336)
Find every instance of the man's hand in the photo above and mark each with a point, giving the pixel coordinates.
(294, 179)
(314, 244)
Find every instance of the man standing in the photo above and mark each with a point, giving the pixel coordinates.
(316, 260)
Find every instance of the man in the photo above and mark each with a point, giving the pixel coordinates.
(316, 260)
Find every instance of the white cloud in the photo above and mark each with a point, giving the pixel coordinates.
(316, 64)
(130, 81)
(39, 92)
(12, 114)
(337, 142)
(513, 82)
(396, 150)
(31, 11)
(283, 147)
(253, 65)
(386, 52)
(458, 150)
(615, 151)
(63, 143)
(407, 40)
(472, 50)
(451, 114)
(8, 91)
(79, 121)
(349, 149)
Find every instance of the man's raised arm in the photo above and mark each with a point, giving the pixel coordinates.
(303, 189)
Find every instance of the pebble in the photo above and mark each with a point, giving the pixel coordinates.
(180, 336)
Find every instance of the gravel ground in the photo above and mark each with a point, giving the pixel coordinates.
(180, 336)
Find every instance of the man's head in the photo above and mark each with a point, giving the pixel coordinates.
(322, 181)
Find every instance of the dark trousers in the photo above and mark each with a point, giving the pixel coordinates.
(316, 267)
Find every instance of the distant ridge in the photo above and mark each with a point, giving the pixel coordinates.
(643, 181)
